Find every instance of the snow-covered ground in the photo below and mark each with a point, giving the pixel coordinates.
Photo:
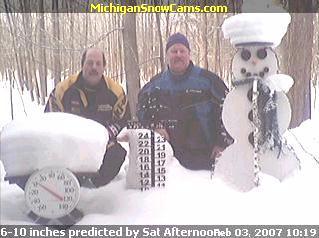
(189, 197)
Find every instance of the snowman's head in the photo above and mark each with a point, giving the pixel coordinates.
(254, 60)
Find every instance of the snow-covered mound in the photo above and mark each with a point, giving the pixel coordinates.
(52, 139)
(192, 197)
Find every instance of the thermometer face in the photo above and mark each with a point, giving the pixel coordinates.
(52, 192)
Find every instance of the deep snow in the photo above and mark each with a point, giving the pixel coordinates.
(190, 197)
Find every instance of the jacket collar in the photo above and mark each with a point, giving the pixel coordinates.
(183, 76)
(81, 84)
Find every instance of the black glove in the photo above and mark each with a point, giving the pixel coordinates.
(86, 181)
(113, 130)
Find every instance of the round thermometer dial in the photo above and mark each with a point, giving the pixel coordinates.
(52, 192)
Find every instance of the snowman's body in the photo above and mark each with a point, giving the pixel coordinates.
(236, 165)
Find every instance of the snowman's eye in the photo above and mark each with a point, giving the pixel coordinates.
(243, 70)
(245, 54)
(261, 53)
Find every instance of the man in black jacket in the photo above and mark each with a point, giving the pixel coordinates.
(91, 95)
(193, 97)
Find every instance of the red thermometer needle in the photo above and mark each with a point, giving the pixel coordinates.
(52, 192)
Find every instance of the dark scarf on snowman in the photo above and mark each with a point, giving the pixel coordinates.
(269, 137)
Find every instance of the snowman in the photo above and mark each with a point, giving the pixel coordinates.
(257, 112)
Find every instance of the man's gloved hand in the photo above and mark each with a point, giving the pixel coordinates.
(85, 181)
(113, 130)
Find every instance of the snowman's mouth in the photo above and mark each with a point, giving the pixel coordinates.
(260, 74)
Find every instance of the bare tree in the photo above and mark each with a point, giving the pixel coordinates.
(56, 53)
(131, 61)
(298, 52)
(34, 43)
(43, 65)
(161, 51)
(204, 41)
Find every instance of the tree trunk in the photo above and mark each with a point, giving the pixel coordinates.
(72, 55)
(131, 61)
(298, 56)
(43, 67)
(12, 28)
(158, 23)
(205, 42)
(28, 32)
(56, 53)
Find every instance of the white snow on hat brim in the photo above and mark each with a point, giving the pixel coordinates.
(256, 27)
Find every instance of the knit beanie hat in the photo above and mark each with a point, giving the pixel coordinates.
(175, 39)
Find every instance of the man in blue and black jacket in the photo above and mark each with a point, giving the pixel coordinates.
(192, 97)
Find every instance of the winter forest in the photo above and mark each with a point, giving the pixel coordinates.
(43, 47)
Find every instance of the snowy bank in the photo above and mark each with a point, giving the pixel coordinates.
(192, 197)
